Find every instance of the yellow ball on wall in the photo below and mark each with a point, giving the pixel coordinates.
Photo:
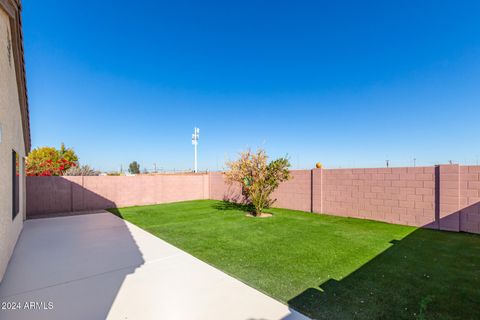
(318, 165)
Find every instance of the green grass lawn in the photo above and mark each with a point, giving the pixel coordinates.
(328, 267)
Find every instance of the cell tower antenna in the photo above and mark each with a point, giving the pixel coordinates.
(195, 137)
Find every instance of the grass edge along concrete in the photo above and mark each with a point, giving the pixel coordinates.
(327, 266)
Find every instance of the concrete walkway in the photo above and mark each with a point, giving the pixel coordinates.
(99, 266)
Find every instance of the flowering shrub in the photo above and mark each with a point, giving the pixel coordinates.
(48, 161)
(258, 177)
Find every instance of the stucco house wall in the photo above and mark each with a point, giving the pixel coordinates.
(12, 136)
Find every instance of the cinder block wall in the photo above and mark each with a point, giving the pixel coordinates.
(395, 195)
(445, 197)
(47, 195)
(470, 198)
(296, 193)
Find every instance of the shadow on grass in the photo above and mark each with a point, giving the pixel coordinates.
(226, 205)
(427, 275)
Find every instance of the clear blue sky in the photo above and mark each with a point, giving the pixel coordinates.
(346, 83)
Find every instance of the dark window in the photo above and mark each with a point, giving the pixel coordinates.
(15, 184)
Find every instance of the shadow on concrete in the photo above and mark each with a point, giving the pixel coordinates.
(76, 264)
(429, 274)
(75, 261)
(82, 265)
(292, 316)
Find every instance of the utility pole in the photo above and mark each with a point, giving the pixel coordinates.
(414, 162)
(195, 136)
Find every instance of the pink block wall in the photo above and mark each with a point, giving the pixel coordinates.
(449, 198)
(47, 195)
(394, 195)
(221, 190)
(469, 198)
(445, 197)
(296, 193)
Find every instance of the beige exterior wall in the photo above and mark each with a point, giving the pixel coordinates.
(11, 139)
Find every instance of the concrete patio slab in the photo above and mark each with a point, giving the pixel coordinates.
(99, 266)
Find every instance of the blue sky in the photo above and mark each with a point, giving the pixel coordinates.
(345, 83)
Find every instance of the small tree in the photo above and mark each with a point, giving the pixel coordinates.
(134, 167)
(258, 177)
(49, 161)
